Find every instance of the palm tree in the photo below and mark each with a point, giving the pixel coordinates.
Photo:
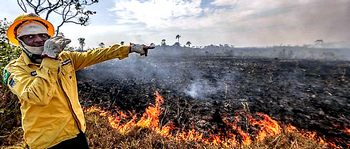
(163, 42)
(82, 43)
(188, 43)
(101, 45)
(319, 42)
(178, 38)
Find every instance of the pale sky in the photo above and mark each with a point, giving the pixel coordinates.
(204, 22)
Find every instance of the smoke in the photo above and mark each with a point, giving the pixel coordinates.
(202, 89)
(175, 68)
(206, 73)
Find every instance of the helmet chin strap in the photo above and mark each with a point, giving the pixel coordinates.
(34, 53)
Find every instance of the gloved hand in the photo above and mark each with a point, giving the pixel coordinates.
(54, 46)
(141, 48)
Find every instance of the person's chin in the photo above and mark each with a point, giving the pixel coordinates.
(37, 50)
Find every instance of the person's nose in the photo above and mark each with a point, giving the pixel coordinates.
(38, 39)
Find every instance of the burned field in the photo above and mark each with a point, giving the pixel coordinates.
(227, 95)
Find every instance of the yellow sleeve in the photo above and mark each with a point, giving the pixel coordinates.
(36, 89)
(84, 59)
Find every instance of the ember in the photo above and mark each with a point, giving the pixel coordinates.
(347, 131)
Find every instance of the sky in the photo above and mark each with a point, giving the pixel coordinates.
(205, 22)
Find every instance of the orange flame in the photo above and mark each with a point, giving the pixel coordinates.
(150, 118)
(266, 127)
(246, 140)
(313, 135)
(347, 131)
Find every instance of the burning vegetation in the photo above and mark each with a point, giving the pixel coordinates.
(237, 132)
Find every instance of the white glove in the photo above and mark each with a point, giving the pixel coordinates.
(54, 46)
(141, 49)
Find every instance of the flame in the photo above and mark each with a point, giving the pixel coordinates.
(268, 126)
(347, 131)
(313, 136)
(246, 140)
(150, 118)
(264, 126)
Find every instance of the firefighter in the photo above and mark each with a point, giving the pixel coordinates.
(44, 80)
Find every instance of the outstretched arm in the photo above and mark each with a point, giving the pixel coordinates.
(84, 59)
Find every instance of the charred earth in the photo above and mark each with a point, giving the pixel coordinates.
(200, 90)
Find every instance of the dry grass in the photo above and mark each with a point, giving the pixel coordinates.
(102, 135)
(10, 121)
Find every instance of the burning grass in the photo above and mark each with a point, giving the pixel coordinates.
(129, 130)
(123, 130)
(102, 135)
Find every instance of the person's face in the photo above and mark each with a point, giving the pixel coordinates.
(35, 40)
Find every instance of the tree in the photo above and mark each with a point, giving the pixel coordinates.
(9, 106)
(101, 45)
(70, 11)
(178, 38)
(319, 42)
(82, 43)
(3, 28)
(188, 43)
(177, 44)
(8, 52)
(163, 42)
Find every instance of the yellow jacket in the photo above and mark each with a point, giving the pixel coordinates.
(48, 93)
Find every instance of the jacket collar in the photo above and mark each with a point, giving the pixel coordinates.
(26, 59)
